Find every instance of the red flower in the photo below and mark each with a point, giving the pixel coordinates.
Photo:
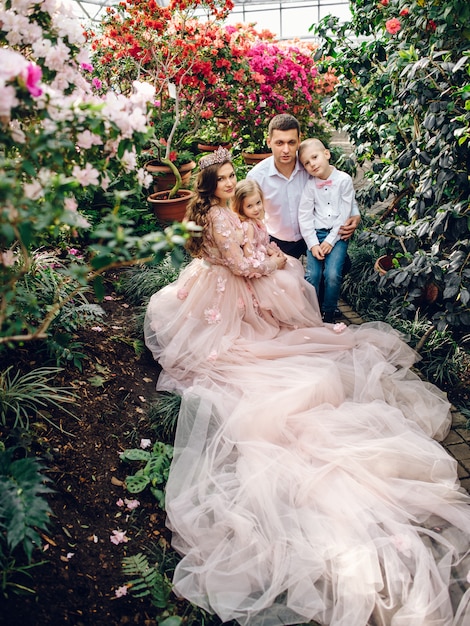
(431, 26)
(404, 12)
(393, 25)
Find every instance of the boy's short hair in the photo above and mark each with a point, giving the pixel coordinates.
(308, 142)
(283, 121)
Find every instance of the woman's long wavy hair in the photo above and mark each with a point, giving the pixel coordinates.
(200, 203)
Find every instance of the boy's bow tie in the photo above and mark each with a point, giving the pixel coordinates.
(322, 183)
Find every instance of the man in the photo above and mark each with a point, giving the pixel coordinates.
(282, 179)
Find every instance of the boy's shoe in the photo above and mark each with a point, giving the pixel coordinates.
(329, 317)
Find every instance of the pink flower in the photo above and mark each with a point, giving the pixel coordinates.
(384, 2)
(120, 502)
(118, 536)
(212, 316)
(97, 84)
(182, 293)
(393, 25)
(32, 78)
(87, 67)
(403, 544)
(339, 327)
(131, 504)
(145, 443)
(121, 591)
(212, 356)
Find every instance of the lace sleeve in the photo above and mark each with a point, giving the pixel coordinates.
(227, 239)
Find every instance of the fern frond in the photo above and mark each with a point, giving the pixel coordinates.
(147, 580)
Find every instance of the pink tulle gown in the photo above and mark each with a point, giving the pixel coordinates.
(306, 483)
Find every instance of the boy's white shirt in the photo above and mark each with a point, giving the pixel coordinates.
(326, 207)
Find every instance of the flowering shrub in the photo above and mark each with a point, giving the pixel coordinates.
(283, 78)
(403, 97)
(62, 143)
(181, 56)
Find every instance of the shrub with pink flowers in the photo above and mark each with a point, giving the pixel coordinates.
(62, 144)
(283, 78)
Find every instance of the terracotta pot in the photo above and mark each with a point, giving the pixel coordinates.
(383, 264)
(169, 210)
(430, 291)
(163, 176)
(251, 158)
(212, 147)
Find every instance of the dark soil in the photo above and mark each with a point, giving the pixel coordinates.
(82, 569)
(77, 583)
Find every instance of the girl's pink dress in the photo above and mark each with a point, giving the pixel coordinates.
(306, 482)
(283, 293)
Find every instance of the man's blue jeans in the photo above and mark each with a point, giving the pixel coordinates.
(331, 269)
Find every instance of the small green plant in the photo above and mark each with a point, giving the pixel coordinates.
(24, 512)
(147, 580)
(163, 414)
(24, 395)
(154, 473)
(140, 282)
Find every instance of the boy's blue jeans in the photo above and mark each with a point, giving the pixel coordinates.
(331, 269)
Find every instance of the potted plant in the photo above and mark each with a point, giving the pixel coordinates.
(170, 48)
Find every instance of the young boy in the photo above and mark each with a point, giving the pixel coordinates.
(326, 203)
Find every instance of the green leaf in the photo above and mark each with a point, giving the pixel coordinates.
(137, 483)
(135, 454)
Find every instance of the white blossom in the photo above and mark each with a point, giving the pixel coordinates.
(87, 139)
(33, 190)
(87, 176)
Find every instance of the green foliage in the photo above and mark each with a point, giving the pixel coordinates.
(146, 580)
(443, 358)
(64, 150)
(404, 99)
(140, 282)
(24, 510)
(163, 415)
(443, 361)
(23, 396)
(154, 474)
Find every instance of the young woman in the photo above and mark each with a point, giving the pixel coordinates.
(306, 484)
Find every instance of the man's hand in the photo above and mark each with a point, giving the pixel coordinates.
(347, 229)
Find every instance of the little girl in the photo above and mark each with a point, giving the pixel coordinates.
(248, 203)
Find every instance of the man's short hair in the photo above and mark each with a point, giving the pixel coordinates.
(283, 121)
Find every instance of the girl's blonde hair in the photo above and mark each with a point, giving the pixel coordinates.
(244, 188)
